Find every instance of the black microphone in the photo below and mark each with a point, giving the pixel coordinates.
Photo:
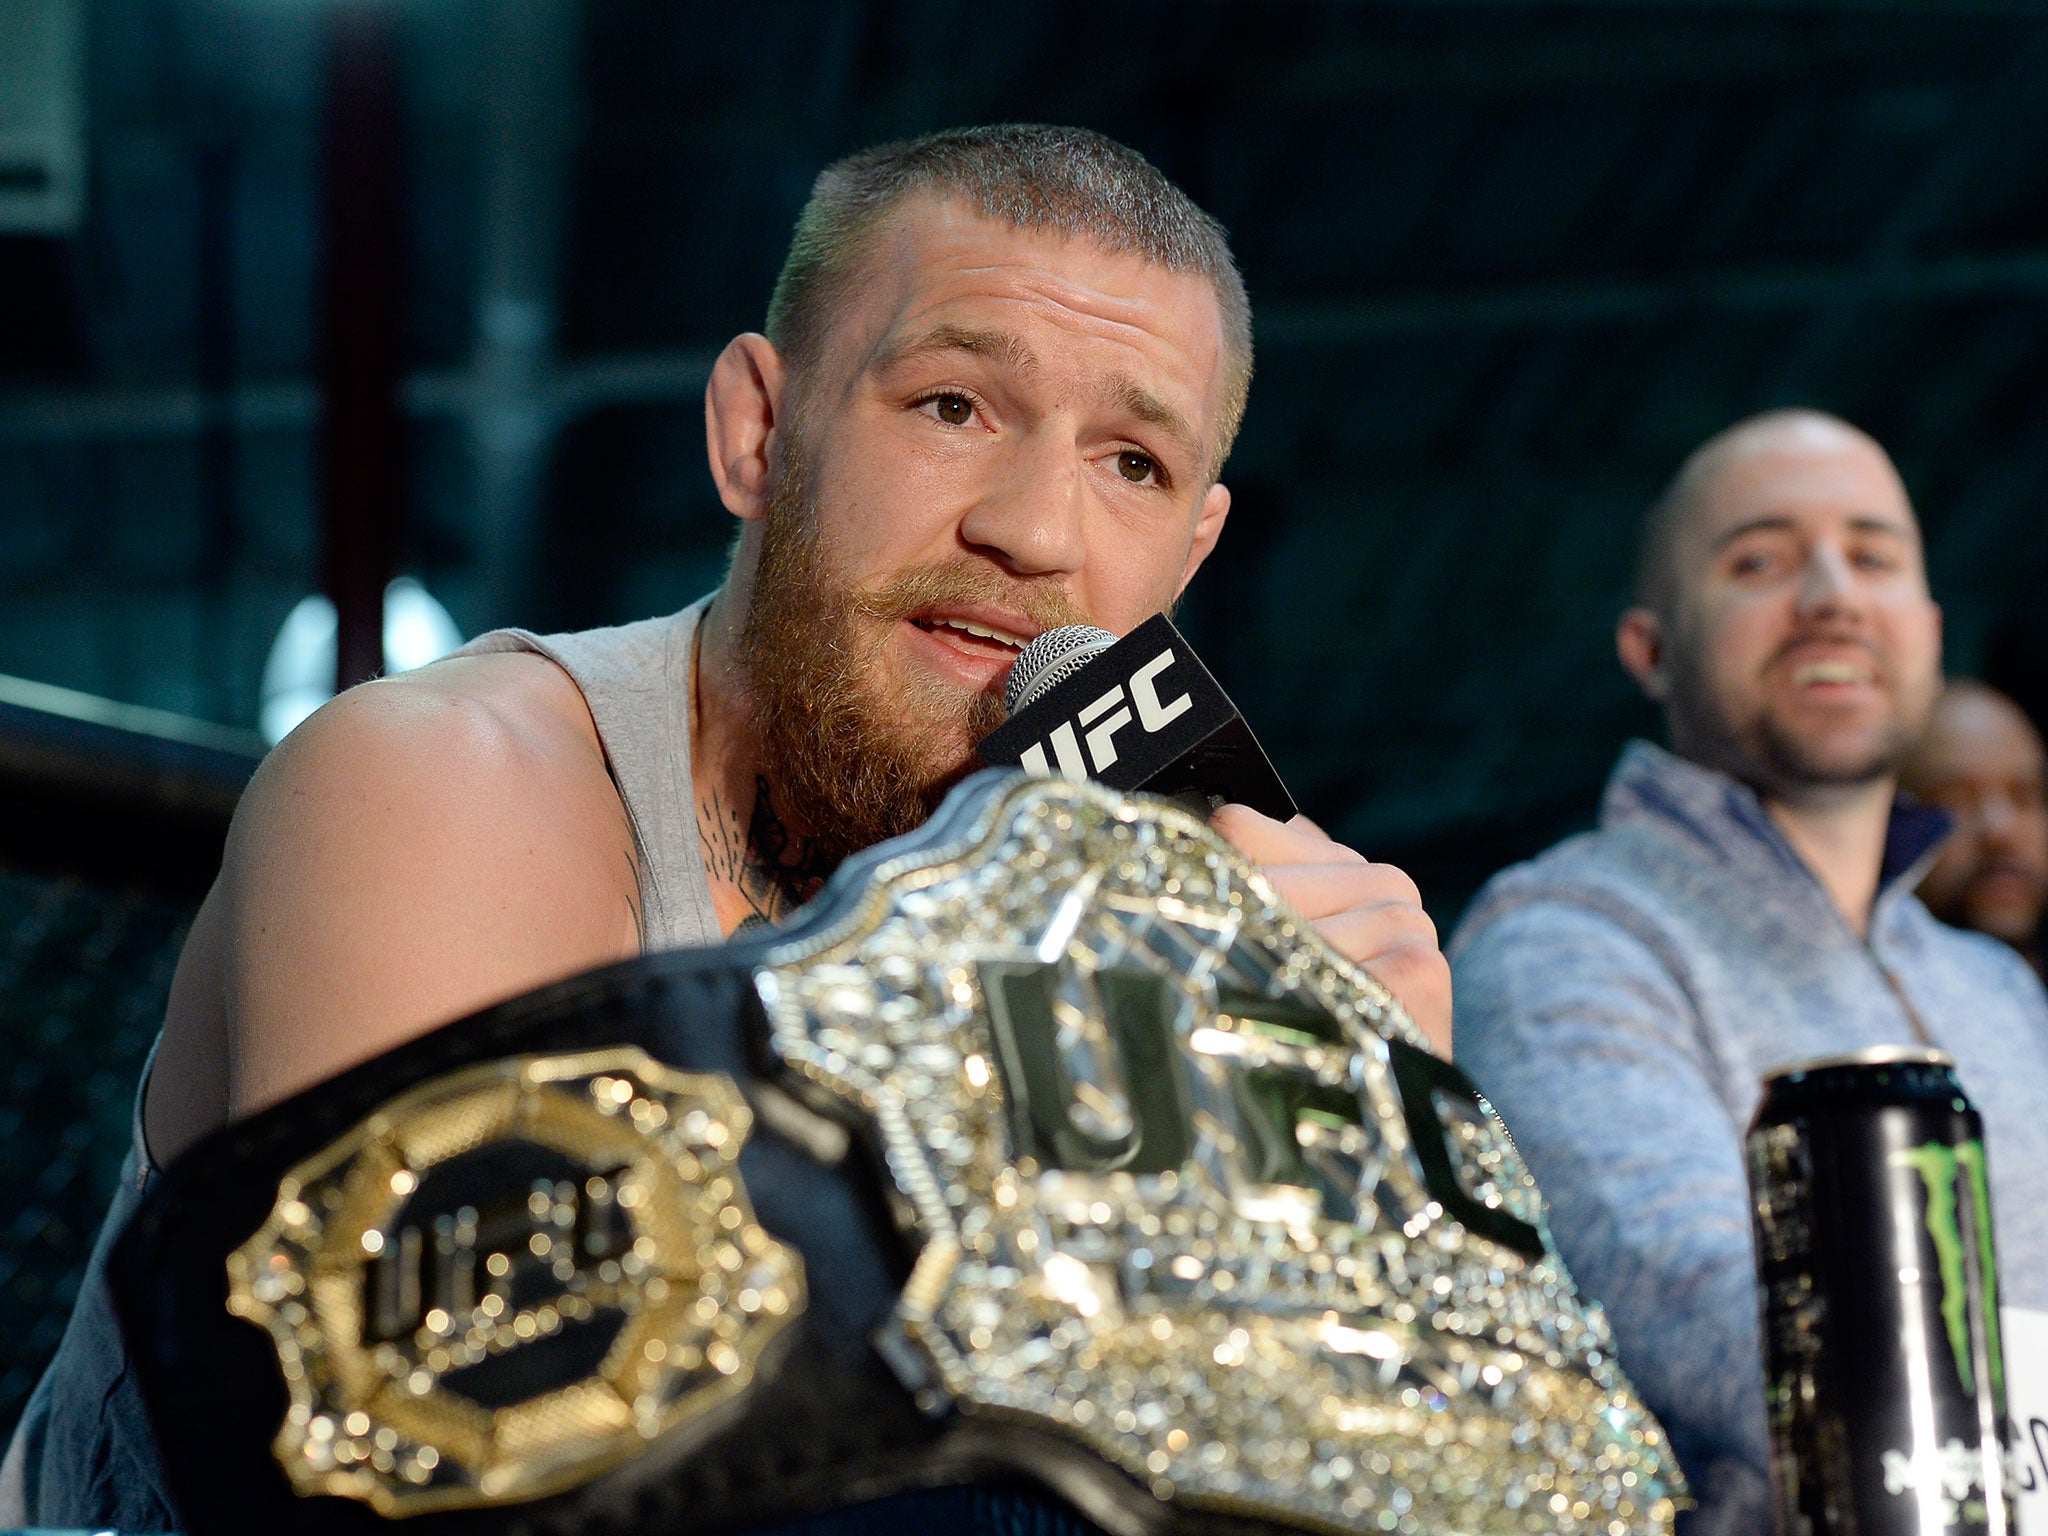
(1140, 713)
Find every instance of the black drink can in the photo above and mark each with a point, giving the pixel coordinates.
(1879, 1292)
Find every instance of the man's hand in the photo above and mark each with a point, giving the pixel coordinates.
(1372, 913)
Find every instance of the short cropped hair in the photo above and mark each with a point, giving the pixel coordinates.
(1071, 181)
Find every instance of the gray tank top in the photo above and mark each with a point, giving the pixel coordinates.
(83, 1454)
(638, 680)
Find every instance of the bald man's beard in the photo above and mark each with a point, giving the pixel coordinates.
(1769, 755)
(852, 754)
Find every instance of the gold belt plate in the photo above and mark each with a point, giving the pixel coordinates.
(513, 1278)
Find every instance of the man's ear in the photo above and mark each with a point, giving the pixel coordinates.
(1639, 642)
(1208, 528)
(742, 410)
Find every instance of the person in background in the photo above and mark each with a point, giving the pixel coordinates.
(1982, 762)
(1745, 902)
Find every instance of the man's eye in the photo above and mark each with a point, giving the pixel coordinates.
(1136, 467)
(953, 410)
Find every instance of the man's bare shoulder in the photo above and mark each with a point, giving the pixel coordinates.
(420, 847)
(474, 715)
(472, 759)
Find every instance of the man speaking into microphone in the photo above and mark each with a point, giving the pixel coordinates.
(1001, 372)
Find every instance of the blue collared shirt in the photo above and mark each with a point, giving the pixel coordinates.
(1619, 997)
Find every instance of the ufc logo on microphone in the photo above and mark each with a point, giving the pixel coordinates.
(1093, 731)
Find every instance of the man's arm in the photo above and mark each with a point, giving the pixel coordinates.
(419, 849)
(1588, 1045)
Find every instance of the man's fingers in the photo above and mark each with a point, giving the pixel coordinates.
(1397, 947)
(1366, 932)
(1420, 979)
(1317, 890)
(1321, 888)
(1266, 841)
(1370, 913)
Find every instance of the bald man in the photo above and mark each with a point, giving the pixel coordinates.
(1981, 760)
(1746, 902)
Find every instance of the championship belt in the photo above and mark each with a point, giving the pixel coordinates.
(1049, 1145)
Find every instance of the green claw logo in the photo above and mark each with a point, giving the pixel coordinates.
(1937, 1164)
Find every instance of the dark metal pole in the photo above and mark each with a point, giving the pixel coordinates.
(361, 434)
(219, 459)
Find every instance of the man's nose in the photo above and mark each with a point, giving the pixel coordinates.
(1029, 518)
(1827, 581)
(1998, 817)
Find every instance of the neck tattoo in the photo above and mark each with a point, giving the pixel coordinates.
(774, 870)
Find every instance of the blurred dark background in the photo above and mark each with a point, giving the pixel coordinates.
(1508, 263)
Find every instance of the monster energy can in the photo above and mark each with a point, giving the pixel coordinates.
(1879, 1293)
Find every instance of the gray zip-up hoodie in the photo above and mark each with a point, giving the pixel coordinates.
(1618, 999)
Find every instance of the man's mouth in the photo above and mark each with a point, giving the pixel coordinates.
(2008, 880)
(1830, 672)
(973, 637)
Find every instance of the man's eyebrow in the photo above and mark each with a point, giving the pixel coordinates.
(1124, 392)
(1871, 522)
(1131, 396)
(1779, 522)
(1770, 522)
(1000, 345)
